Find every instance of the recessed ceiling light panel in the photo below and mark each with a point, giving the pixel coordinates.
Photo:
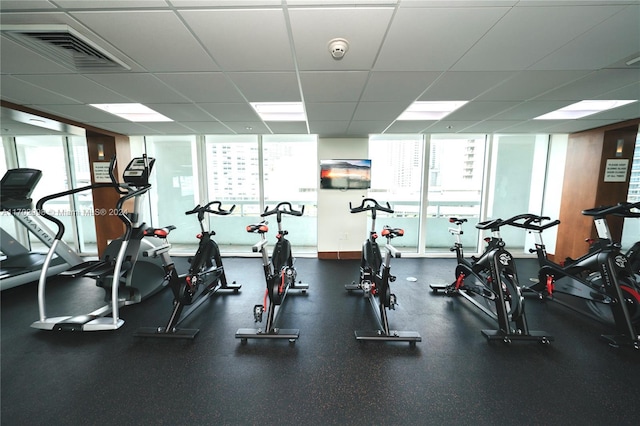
(280, 111)
(132, 112)
(424, 111)
(582, 109)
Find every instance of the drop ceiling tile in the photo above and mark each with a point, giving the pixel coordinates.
(267, 86)
(230, 112)
(202, 87)
(243, 39)
(338, 86)
(419, 39)
(313, 28)
(509, 44)
(143, 88)
(75, 86)
(147, 35)
(330, 111)
(395, 86)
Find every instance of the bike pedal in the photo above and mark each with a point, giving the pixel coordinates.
(257, 313)
(392, 278)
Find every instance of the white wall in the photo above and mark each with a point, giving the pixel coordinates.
(338, 229)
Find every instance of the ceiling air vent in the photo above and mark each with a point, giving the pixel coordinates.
(65, 46)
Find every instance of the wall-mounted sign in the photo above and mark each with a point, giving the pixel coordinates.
(101, 172)
(616, 170)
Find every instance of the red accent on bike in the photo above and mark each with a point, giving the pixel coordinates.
(374, 236)
(633, 292)
(487, 239)
(263, 228)
(459, 281)
(550, 285)
(199, 236)
(162, 233)
(264, 302)
(590, 241)
(278, 236)
(374, 290)
(281, 287)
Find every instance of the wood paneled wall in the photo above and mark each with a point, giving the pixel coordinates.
(585, 186)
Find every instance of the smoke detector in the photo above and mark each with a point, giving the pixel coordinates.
(338, 47)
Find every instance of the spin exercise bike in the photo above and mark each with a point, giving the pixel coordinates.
(124, 272)
(206, 276)
(601, 279)
(375, 277)
(280, 276)
(633, 254)
(492, 277)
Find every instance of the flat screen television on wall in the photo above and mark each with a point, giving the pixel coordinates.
(345, 174)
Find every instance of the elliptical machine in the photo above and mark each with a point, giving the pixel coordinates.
(375, 277)
(602, 279)
(494, 278)
(280, 276)
(124, 272)
(205, 277)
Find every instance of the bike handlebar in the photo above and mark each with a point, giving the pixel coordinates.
(207, 208)
(622, 209)
(283, 208)
(370, 204)
(526, 221)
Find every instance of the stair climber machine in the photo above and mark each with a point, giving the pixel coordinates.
(280, 276)
(600, 284)
(490, 283)
(205, 277)
(375, 277)
(19, 265)
(127, 271)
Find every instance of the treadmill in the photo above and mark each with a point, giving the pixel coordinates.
(18, 264)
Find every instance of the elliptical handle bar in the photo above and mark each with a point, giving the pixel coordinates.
(283, 208)
(41, 202)
(370, 204)
(124, 217)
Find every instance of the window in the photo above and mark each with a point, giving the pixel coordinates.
(516, 182)
(455, 188)
(396, 178)
(174, 187)
(290, 174)
(631, 227)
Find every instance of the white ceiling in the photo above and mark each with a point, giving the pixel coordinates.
(201, 62)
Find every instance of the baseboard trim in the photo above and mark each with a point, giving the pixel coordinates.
(339, 255)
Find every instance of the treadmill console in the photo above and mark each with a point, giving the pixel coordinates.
(16, 187)
(138, 170)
